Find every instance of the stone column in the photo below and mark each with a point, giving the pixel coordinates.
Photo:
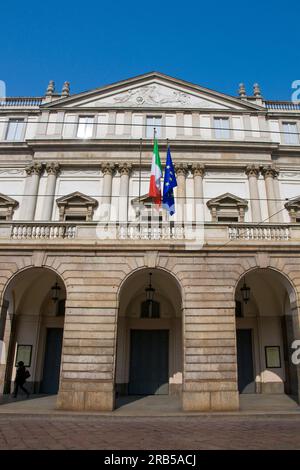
(270, 172)
(252, 171)
(31, 190)
(52, 169)
(181, 172)
(198, 171)
(108, 171)
(125, 170)
(279, 201)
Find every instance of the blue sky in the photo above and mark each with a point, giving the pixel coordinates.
(216, 44)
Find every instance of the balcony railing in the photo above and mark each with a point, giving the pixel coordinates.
(259, 232)
(21, 102)
(40, 231)
(207, 234)
(282, 105)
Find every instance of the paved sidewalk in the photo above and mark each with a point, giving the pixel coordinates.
(159, 405)
(168, 433)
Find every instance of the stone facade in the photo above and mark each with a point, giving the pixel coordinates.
(102, 278)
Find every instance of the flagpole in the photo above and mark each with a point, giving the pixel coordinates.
(140, 175)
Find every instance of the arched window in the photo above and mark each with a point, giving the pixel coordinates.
(150, 309)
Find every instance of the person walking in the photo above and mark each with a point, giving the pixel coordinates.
(21, 376)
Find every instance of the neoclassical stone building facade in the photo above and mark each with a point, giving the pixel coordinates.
(79, 238)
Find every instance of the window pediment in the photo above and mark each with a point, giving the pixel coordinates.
(227, 207)
(293, 207)
(7, 207)
(76, 206)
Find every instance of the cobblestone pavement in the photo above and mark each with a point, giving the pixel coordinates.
(176, 433)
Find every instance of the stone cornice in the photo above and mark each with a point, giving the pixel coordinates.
(193, 145)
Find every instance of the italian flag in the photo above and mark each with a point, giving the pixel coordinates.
(156, 174)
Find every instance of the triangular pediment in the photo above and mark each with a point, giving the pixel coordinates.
(227, 200)
(142, 200)
(153, 90)
(6, 201)
(76, 199)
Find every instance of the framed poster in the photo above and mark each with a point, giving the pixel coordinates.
(273, 360)
(24, 352)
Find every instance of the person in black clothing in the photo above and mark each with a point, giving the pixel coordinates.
(21, 377)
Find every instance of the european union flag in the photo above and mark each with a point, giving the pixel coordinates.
(169, 184)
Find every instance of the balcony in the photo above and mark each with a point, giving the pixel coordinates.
(194, 235)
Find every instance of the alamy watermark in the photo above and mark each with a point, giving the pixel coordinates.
(296, 93)
(186, 226)
(2, 91)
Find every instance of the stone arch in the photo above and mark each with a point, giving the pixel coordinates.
(267, 324)
(131, 327)
(31, 317)
(288, 282)
(156, 267)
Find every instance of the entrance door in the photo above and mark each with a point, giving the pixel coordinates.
(245, 361)
(149, 362)
(52, 360)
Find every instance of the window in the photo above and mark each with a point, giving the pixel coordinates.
(75, 218)
(290, 133)
(85, 127)
(228, 219)
(153, 122)
(15, 129)
(221, 126)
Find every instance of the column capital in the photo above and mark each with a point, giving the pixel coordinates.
(34, 169)
(198, 169)
(269, 171)
(125, 168)
(108, 168)
(53, 168)
(181, 169)
(252, 170)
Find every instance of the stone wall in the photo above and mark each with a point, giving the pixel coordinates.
(93, 281)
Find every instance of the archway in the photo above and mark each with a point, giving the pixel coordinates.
(32, 322)
(267, 325)
(149, 339)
